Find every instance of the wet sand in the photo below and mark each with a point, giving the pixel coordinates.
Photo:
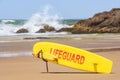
(29, 68)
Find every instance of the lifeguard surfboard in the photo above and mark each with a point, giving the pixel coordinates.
(72, 57)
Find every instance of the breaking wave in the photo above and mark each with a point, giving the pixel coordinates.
(35, 23)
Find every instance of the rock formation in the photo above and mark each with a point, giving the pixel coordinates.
(22, 30)
(46, 28)
(49, 28)
(41, 31)
(105, 22)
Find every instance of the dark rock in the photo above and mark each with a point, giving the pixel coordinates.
(105, 22)
(65, 30)
(41, 31)
(49, 28)
(22, 31)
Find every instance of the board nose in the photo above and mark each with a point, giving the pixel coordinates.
(33, 54)
(36, 55)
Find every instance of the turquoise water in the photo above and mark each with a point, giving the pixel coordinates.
(23, 21)
(70, 21)
(12, 21)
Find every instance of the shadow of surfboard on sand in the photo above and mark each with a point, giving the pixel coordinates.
(69, 72)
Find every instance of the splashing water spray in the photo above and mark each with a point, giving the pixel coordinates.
(38, 20)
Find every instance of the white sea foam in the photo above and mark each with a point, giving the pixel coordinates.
(5, 21)
(7, 29)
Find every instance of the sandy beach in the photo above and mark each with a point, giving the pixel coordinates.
(84, 24)
(30, 68)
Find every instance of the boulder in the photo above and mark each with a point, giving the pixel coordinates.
(41, 31)
(22, 30)
(49, 28)
(65, 30)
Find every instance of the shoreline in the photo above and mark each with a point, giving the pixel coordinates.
(88, 44)
(62, 35)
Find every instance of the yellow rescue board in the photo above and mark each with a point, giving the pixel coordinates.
(72, 57)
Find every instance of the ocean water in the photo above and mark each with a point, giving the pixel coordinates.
(10, 26)
(37, 21)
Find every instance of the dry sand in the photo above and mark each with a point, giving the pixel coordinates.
(29, 68)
